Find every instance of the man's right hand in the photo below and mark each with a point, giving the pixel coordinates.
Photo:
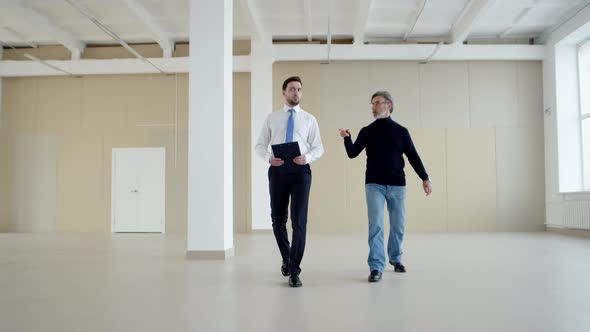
(276, 161)
(344, 132)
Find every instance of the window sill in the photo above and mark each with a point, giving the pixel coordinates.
(576, 195)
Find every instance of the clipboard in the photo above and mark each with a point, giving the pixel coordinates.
(287, 152)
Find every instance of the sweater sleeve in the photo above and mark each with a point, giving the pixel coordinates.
(413, 157)
(354, 149)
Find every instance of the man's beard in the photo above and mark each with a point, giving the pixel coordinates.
(293, 102)
(381, 115)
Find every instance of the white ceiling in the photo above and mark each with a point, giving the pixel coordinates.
(47, 22)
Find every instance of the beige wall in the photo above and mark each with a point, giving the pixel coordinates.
(57, 140)
(5, 180)
(242, 153)
(477, 126)
(41, 52)
(83, 118)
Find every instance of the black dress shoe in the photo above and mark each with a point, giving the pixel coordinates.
(285, 269)
(294, 281)
(375, 276)
(398, 267)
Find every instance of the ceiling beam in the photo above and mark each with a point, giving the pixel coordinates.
(399, 40)
(462, 26)
(417, 15)
(419, 52)
(287, 52)
(162, 37)
(257, 30)
(86, 12)
(47, 64)
(360, 25)
(559, 3)
(432, 54)
(62, 36)
(570, 15)
(19, 37)
(14, 68)
(518, 18)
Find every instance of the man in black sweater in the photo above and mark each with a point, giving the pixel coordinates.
(386, 141)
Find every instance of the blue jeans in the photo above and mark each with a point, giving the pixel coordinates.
(395, 196)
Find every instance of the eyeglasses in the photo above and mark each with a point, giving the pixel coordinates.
(377, 103)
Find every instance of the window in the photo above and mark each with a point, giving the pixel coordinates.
(584, 77)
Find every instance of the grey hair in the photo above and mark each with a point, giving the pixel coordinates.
(385, 95)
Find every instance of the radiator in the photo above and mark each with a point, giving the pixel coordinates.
(576, 215)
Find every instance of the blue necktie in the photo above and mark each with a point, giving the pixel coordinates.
(290, 125)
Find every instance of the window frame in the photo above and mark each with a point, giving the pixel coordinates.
(583, 81)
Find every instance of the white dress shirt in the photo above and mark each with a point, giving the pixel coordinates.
(306, 133)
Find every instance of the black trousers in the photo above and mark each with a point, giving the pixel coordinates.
(294, 185)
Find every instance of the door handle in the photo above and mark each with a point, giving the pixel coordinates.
(135, 191)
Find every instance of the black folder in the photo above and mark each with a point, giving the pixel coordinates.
(287, 152)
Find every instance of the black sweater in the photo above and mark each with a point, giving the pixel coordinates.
(386, 141)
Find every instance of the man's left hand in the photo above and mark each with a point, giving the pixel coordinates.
(300, 160)
(427, 185)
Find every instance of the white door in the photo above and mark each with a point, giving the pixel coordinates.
(138, 190)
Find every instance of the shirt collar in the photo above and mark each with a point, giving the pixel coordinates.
(296, 108)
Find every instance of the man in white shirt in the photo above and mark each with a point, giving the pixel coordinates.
(290, 124)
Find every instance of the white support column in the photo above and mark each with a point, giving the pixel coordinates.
(210, 179)
(261, 60)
